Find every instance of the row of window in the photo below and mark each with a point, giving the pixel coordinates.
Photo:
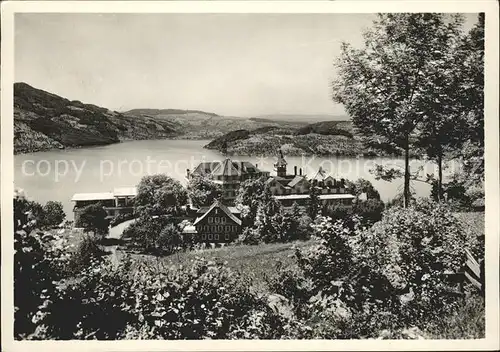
(220, 228)
(217, 220)
(214, 236)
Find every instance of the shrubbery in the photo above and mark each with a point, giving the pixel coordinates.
(39, 260)
(156, 235)
(47, 216)
(203, 300)
(388, 277)
(93, 218)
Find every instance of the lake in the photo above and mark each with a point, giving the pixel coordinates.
(57, 175)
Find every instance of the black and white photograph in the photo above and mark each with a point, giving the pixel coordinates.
(250, 175)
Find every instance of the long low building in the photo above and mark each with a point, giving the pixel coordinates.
(325, 199)
(119, 201)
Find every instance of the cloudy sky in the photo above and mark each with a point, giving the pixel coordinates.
(230, 64)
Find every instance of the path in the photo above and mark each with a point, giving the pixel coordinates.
(116, 232)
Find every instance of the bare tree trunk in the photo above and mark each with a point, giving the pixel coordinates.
(406, 192)
(440, 176)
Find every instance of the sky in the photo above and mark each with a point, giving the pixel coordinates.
(229, 64)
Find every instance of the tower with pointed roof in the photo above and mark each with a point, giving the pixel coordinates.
(280, 165)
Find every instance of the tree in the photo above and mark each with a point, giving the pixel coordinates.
(471, 155)
(362, 186)
(203, 191)
(145, 233)
(386, 86)
(160, 194)
(53, 214)
(94, 218)
(314, 203)
(170, 239)
(249, 197)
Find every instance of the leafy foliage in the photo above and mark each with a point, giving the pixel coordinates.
(249, 197)
(401, 84)
(53, 214)
(87, 252)
(160, 194)
(39, 260)
(94, 218)
(203, 191)
(360, 282)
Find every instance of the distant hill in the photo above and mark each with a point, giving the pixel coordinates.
(341, 128)
(156, 112)
(327, 138)
(44, 121)
(300, 118)
(195, 124)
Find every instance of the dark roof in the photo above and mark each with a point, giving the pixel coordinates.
(296, 180)
(206, 168)
(288, 181)
(221, 206)
(227, 168)
(320, 175)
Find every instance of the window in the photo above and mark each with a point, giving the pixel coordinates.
(227, 237)
(216, 211)
(228, 228)
(210, 236)
(206, 227)
(204, 236)
(210, 220)
(217, 220)
(235, 229)
(216, 237)
(223, 220)
(213, 228)
(219, 228)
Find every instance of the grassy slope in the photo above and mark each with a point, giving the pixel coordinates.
(255, 262)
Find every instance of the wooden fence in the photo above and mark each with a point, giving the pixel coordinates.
(474, 271)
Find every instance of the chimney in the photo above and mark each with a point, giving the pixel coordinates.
(295, 170)
(300, 171)
(187, 172)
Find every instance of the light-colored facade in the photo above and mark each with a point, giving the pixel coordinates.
(296, 188)
(119, 201)
(229, 174)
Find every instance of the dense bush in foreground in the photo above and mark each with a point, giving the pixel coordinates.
(387, 281)
(389, 277)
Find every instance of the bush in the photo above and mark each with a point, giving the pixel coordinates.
(370, 210)
(199, 301)
(39, 261)
(412, 249)
(93, 218)
(53, 214)
(86, 253)
(391, 276)
(157, 235)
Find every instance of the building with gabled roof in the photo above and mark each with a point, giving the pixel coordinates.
(295, 188)
(229, 174)
(218, 224)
